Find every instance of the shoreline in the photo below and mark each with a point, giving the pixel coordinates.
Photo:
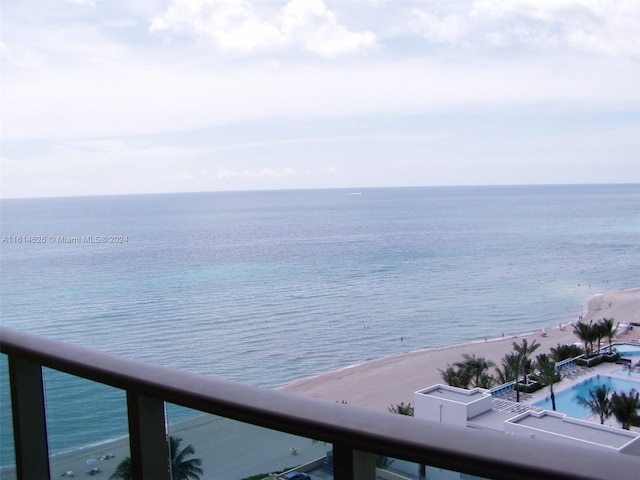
(388, 381)
(378, 384)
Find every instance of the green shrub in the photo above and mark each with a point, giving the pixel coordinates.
(590, 362)
(611, 358)
(557, 378)
(533, 386)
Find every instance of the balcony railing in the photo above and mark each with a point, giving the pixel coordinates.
(357, 434)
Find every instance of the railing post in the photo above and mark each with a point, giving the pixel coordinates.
(364, 465)
(342, 462)
(349, 464)
(148, 439)
(29, 419)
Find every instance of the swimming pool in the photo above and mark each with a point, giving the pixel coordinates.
(628, 373)
(567, 400)
(627, 350)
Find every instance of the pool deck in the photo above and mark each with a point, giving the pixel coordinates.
(582, 374)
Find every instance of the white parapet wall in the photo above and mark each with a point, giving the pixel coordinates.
(443, 403)
(547, 425)
(446, 404)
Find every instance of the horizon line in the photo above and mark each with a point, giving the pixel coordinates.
(353, 188)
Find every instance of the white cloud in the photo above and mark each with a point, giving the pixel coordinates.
(311, 24)
(606, 27)
(236, 26)
(230, 25)
(446, 29)
(90, 107)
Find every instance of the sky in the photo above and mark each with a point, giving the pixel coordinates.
(147, 96)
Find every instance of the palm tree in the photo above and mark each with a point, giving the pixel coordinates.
(182, 468)
(477, 368)
(123, 470)
(524, 350)
(599, 333)
(625, 408)
(598, 402)
(456, 377)
(563, 352)
(608, 330)
(586, 333)
(548, 374)
(512, 362)
(508, 372)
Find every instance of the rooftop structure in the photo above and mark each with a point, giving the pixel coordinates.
(476, 408)
(441, 403)
(556, 426)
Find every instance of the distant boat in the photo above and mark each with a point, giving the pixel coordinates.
(355, 193)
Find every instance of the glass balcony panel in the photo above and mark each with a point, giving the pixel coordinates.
(87, 426)
(232, 450)
(396, 469)
(7, 455)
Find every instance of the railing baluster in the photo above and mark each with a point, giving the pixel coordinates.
(342, 462)
(364, 465)
(349, 464)
(29, 419)
(148, 438)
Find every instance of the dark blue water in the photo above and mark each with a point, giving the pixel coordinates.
(266, 287)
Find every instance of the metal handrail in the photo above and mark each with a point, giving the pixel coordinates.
(478, 452)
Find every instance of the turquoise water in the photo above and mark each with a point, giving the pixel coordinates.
(267, 287)
(635, 374)
(567, 400)
(627, 350)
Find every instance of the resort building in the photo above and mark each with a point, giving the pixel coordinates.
(478, 409)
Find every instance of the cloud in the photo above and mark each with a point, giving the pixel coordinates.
(605, 27)
(237, 26)
(230, 25)
(311, 24)
(89, 106)
(448, 29)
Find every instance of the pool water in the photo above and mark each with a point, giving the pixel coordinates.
(627, 350)
(628, 373)
(567, 400)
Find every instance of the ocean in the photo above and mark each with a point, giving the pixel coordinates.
(268, 287)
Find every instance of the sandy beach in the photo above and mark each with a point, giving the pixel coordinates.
(384, 382)
(377, 384)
